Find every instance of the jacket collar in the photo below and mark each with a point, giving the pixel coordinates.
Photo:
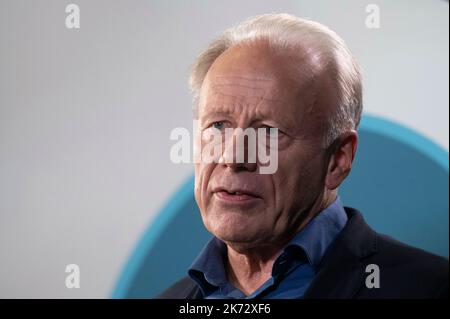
(342, 273)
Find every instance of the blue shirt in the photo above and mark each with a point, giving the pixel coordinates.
(292, 271)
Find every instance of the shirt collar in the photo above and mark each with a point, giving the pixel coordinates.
(319, 233)
(209, 266)
(208, 269)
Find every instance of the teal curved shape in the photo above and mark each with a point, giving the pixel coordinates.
(182, 196)
(415, 161)
(406, 136)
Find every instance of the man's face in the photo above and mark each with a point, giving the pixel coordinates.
(250, 86)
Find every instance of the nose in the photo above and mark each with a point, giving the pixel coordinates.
(239, 150)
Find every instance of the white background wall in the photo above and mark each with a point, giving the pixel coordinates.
(85, 116)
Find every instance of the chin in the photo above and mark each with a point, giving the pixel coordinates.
(237, 234)
(235, 225)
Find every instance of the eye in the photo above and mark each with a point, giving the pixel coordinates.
(218, 125)
(270, 131)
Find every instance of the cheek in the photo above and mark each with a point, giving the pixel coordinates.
(202, 177)
(198, 184)
(290, 169)
(297, 176)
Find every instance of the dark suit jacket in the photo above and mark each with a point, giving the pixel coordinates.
(405, 271)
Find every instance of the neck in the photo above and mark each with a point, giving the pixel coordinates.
(248, 270)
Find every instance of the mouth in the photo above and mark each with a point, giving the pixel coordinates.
(235, 195)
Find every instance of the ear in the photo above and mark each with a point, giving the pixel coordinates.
(341, 158)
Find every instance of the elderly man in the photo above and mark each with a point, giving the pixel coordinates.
(286, 234)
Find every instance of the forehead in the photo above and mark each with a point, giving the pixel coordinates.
(259, 80)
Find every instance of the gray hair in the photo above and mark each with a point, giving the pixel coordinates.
(287, 31)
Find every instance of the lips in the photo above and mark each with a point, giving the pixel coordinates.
(235, 194)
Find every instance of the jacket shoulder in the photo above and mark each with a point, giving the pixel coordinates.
(401, 254)
(419, 273)
(184, 288)
(403, 271)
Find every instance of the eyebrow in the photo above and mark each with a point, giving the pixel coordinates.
(215, 114)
